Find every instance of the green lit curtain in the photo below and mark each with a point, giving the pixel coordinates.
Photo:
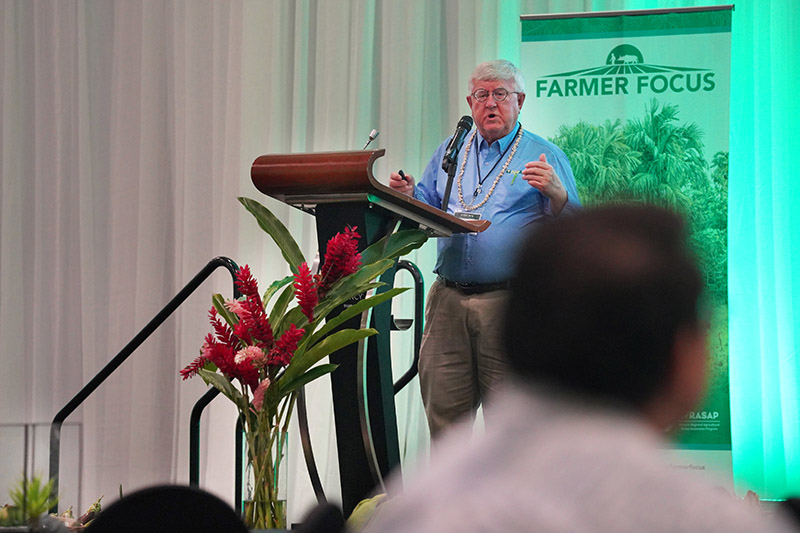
(763, 245)
(763, 242)
(764, 235)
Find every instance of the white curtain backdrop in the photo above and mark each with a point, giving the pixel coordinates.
(127, 131)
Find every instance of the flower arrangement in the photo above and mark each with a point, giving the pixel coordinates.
(261, 352)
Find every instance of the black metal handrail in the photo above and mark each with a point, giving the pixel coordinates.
(419, 299)
(194, 447)
(194, 434)
(308, 450)
(111, 366)
(363, 405)
(239, 465)
(302, 420)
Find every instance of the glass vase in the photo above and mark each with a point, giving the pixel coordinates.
(265, 504)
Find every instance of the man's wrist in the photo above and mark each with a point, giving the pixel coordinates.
(558, 205)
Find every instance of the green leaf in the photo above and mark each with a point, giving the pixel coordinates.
(316, 372)
(357, 309)
(276, 285)
(281, 304)
(373, 252)
(332, 302)
(222, 310)
(32, 496)
(356, 282)
(224, 385)
(399, 243)
(275, 228)
(293, 316)
(302, 362)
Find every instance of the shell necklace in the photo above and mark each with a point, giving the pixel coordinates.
(470, 207)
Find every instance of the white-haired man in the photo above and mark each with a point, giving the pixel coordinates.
(513, 178)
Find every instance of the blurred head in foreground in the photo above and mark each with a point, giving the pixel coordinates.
(607, 349)
(605, 304)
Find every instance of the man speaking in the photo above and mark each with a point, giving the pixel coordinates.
(516, 180)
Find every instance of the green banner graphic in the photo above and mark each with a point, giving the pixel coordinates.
(639, 102)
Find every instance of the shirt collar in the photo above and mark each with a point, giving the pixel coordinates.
(503, 142)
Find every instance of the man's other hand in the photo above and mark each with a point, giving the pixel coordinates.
(540, 174)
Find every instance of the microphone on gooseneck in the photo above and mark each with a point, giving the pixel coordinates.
(372, 135)
(449, 162)
(451, 153)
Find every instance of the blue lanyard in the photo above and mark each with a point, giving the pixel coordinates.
(479, 188)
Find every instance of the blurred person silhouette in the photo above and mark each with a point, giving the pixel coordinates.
(606, 340)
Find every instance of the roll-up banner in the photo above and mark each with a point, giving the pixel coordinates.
(639, 102)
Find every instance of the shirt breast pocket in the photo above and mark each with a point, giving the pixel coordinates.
(519, 195)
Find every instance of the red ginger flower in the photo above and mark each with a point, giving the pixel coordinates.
(194, 367)
(238, 352)
(253, 326)
(246, 283)
(341, 259)
(219, 350)
(222, 330)
(223, 349)
(282, 353)
(248, 373)
(221, 355)
(306, 291)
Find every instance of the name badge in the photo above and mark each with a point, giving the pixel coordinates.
(467, 215)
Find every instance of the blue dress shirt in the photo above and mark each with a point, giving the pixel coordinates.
(513, 208)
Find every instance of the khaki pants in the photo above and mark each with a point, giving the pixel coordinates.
(461, 360)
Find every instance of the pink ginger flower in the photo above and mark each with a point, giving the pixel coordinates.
(234, 306)
(249, 354)
(258, 395)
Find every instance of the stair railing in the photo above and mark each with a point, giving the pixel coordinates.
(111, 366)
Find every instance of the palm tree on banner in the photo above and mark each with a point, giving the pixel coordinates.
(600, 158)
(709, 225)
(719, 174)
(671, 156)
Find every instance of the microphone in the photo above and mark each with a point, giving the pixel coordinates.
(372, 135)
(450, 155)
(449, 162)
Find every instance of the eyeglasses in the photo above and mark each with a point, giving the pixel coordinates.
(498, 94)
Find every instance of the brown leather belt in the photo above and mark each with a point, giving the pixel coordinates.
(474, 288)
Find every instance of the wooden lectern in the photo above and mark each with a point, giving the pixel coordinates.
(340, 190)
